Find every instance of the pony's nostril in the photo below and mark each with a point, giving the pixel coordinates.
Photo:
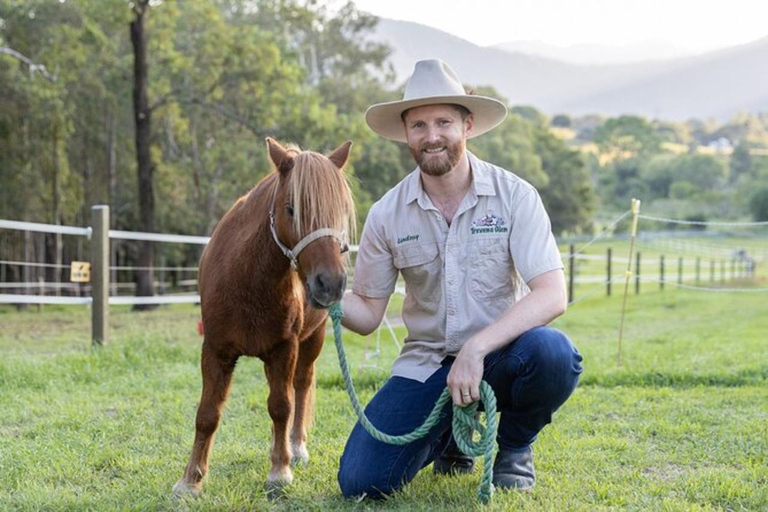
(329, 287)
(321, 283)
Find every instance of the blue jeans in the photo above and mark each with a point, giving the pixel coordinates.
(531, 378)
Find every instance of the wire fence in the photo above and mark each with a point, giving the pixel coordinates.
(727, 257)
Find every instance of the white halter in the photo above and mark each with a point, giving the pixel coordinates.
(293, 254)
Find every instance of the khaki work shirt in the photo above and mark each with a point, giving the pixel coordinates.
(458, 278)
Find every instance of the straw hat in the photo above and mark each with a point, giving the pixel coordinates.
(433, 82)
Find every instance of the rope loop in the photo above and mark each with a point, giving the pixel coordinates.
(464, 418)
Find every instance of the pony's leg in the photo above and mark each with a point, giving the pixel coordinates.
(303, 382)
(217, 377)
(280, 368)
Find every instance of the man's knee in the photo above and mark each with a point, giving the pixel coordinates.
(553, 362)
(550, 350)
(355, 482)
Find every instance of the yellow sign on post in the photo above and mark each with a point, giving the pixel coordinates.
(80, 272)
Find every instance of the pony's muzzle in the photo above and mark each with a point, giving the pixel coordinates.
(326, 289)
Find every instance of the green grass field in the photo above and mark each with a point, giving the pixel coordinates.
(682, 425)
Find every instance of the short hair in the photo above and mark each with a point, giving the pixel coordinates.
(461, 109)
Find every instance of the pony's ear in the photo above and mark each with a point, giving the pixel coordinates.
(341, 154)
(277, 153)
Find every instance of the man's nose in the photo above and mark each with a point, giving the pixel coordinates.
(433, 134)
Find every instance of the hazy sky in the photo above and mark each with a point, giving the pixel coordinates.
(694, 25)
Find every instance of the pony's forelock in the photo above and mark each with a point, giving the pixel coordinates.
(325, 195)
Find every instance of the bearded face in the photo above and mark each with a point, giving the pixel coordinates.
(438, 158)
(436, 136)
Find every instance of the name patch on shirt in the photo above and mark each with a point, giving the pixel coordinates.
(488, 223)
(407, 238)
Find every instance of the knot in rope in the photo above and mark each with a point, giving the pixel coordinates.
(464, 418)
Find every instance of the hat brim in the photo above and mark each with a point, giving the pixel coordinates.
(386, 118)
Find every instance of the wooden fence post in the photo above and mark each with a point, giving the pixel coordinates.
(698, 269)
(637, 274)
(100, 275)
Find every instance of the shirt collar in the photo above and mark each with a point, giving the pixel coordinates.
(481, 179)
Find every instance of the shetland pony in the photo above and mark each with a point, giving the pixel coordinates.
(275, 262)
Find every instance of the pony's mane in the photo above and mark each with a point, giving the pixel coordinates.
(320, 195)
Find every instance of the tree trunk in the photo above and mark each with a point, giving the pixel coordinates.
(142, 116)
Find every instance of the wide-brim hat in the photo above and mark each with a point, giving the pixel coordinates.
(434, 82)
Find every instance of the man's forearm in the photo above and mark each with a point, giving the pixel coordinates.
(361, 314)
(539, 307)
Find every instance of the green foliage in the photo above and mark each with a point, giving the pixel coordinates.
(561, 121)
(568, 195)
(627, 136)
(758, 204)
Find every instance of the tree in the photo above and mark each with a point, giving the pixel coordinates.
(627, 136)
(561, 121)
(758, 205)
(568, 195)
(741, 161)
(145, 167)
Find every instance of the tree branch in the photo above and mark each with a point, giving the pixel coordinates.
(33, 67)
(229, 115)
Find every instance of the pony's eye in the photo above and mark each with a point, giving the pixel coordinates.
(289, 209)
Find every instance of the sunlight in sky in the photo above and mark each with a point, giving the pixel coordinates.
(692, 25)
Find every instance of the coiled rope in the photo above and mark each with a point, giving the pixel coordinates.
(464, 418)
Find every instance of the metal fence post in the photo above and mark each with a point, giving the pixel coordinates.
(608, 270)
(100, 275)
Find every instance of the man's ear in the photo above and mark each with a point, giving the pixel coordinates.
(469, 125)
(341, 154)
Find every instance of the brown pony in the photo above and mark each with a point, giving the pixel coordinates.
(261, 298)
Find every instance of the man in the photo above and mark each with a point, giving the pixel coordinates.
(483, 276)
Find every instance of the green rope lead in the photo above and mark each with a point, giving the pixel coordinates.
(463, 417)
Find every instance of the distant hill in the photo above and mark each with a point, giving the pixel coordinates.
(717, 84)
(597, 54)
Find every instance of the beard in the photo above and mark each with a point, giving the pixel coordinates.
(440, 164)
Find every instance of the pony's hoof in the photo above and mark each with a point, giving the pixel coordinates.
(300, 455)
(183, 489)
(277, 482)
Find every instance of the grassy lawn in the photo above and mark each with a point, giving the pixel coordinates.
(682, 425)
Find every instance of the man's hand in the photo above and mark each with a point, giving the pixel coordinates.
(465, 375)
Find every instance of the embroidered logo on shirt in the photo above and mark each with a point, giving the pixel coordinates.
(489, 223)
(407, 238)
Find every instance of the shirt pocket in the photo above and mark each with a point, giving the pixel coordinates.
(421, 269)
(491, 269)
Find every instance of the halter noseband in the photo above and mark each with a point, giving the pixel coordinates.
(293, 254)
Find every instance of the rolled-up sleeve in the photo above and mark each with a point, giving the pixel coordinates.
(531, 241)
(375, 272)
